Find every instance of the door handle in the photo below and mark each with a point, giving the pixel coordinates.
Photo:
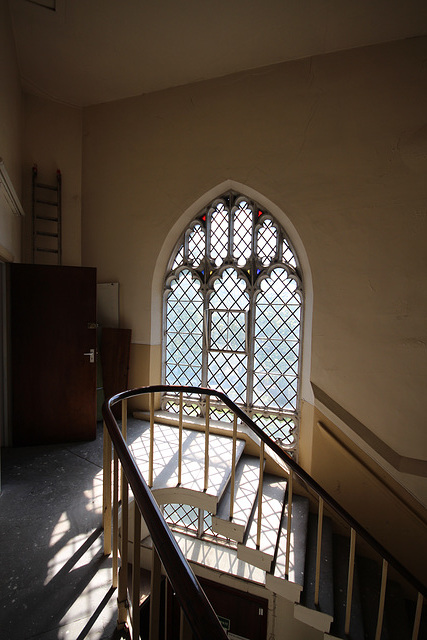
(91, 355)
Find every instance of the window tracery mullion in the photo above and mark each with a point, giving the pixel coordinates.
(251, 334)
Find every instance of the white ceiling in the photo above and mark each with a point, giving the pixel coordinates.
(89, 51)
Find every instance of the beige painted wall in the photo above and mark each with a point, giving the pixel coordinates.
(10, 134)
(370, 494)
(52, 134)
(338, 143)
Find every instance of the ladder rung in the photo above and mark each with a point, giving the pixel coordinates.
(46, 250)
(52, 204)
(47, 233)
(47, 218)
(46, 215)
(39, 185)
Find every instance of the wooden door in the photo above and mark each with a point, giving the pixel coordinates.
(114, 353)
(242, 614)
(53, 329)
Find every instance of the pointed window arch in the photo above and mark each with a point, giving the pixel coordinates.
(233, 306)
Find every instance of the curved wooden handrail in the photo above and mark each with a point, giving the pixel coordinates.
(290, 462)
(193, 601)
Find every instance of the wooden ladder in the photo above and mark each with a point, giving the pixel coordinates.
(46, 211)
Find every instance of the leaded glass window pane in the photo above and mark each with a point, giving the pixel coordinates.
(196, 245)
(179, 258)
(184, 331)
(227, 330)
(219, 234)
(233, 314)
(242, 233)
(229, 292)
(228, 372)
(288, 255)
(267, 242)
(182, 516)
(278, 427)
(276, 342)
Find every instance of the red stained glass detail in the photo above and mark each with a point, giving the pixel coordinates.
(204, 218)
(259, 213)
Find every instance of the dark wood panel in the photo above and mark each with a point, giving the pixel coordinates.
(243, 614)
(115, 350)
(53, 381)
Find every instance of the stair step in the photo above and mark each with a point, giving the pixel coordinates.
(273, 497)
(341, 550)
(320, 616)
(245, 493)
(290, 586)
(204, 553)
(165, 468)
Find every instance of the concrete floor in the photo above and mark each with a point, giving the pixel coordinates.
(55, 582)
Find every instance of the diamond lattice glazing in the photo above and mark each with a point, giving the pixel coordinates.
(196, 245)
(184, 332)
(276, 342)
(242, 233)
(219, 234)
(183, 515)
(233, 315)
(267, 242)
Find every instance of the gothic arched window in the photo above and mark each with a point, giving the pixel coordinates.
(233, 316)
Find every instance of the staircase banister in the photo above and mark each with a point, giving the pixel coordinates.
(197, 608)
(290, 462)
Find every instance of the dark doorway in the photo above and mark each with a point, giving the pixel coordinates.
(242, 614)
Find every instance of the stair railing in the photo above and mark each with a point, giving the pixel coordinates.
(197, 614)
(293, 469)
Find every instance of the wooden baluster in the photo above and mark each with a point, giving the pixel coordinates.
(115, 518)
(123, 571)
(206, 480)
(156, 576)
(417, 619)
(122, 600)
(151, 454)
(261, 477)
(136, 572)
(125, 419)
(289, 528)
(350, 581)
(180, 440)
(106, 495)
(233, 467)
(382, 600)
(318, 552)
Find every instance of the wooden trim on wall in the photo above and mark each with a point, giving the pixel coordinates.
(403, 464)
(405, 499)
